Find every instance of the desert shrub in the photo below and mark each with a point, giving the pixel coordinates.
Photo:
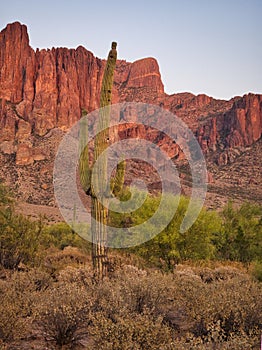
(236, 342)
(32, 281)
(196, 315)
(210, 275)
(80, 275)
(230, 307)
(138, 332)
(12, 326)
(206, 303)
(55, 260)
(192, 308)
(15, 307)
(215, 308)
(133, 292)
(109, 301)
(63, 314)
(144, 294)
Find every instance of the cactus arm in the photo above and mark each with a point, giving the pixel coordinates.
(118, 180)
(84, 169)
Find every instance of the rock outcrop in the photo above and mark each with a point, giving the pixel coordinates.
(51, 88)
(17, 63)
(239, 127)
(46, 89)
(145, 73)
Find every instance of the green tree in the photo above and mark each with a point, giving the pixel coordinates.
(240, 238)
(171, 246)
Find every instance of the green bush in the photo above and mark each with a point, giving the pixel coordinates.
(19, 240)
(257, 270)
(61, 235)
(241, 236)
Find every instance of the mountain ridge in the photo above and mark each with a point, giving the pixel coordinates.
(50, 89)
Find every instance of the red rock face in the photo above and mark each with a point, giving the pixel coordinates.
(52, 88)
(239, 127)
(145, 73)
(16, 63)
(7, 122)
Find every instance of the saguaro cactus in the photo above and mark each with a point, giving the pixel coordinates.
(99, 177)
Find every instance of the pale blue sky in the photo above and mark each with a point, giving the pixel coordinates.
(202, 46)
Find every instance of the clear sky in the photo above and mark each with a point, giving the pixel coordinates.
(202, 46)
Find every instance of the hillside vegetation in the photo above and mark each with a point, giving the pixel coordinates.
(197, 290)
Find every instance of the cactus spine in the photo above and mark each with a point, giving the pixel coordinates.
(98, 210)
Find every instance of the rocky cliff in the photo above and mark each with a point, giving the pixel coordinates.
(51, 88)
(238, 127)
(48, 90)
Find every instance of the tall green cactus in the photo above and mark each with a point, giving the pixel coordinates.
(98, 210)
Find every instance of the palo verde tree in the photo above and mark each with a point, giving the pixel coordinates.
(98, 174)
